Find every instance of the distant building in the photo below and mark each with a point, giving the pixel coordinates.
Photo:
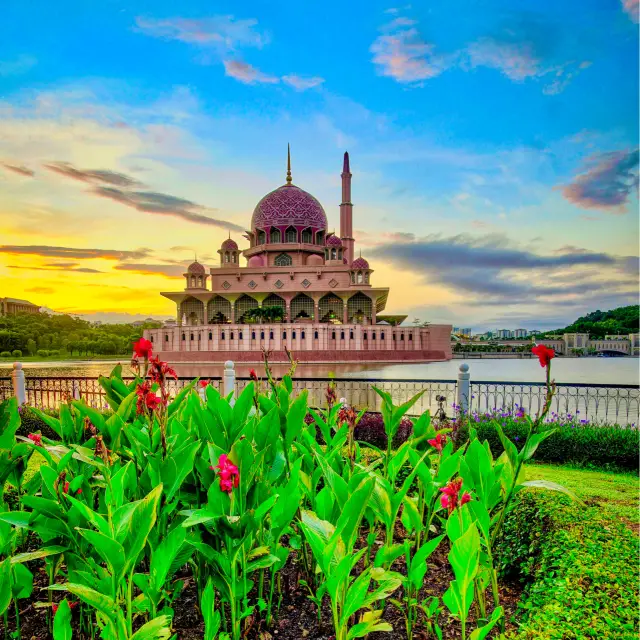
(13, 306)
(520, 333)
(580, 342)
(455, 331)
(466, 331)
(504, 333)
(534, 332)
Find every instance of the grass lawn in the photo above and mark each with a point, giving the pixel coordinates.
(616, 494)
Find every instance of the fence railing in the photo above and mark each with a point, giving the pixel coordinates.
(592, 402)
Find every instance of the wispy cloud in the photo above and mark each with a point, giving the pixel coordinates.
(164, 204)
(18, 66)
(73, 252)
(19, 169)
(92, 176)
(302, 84)
(608, 182)
(632, 8)
(169, 271)
(247, 74)
(76, 269)
(401, 53)
(223, 34)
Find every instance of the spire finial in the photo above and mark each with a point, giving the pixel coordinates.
(288, 164)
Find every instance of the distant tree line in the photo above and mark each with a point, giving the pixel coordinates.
(45, 334)
(598, 324)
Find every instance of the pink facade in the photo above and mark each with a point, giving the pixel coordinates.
(327, 309)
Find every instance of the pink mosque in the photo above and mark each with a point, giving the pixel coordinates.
(316, 295)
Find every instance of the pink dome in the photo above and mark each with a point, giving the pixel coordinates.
(229, 245)
(360, 263)
(255, 261)
(334, 241)
(315, 260)
(196, 267)
(289, 205)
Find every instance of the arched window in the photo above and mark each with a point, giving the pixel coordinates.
(210, 335)
(270, 335)
(199, 281)
(283, 260)
(166, 338)
(233, 257)
(334, 254)
(319, 237)
(262, 335)
(366, 277)
(284, 335)
(231, 336)
(262, 237)
(293, 335)
(253, 335)
(342, 335)
(382, 336)
(353, 277)
(373, 335)
(183, 336)
(239, 335)
(359, 277)
(364, 337)
(191, 338)
(151, 338)
(333, 335)
(226, 256)
(275, 236)
(307, 236)
(193, 281)
(291, 235)
(315, 335)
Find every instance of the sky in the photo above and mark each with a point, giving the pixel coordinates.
(493, 145)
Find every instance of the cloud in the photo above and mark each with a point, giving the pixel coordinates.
(41, 290)
(164, 204)
(20, 65)
(170, 271)
(220, 33)
(516, 60)
(401, 53)
(608, 182)
(85, 175)
(491, 270)
(55, 268)
(19, 169)
(302, 84)
(632, 8)
(246, 73)
(73, 253)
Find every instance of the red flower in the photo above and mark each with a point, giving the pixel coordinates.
(159, 371)
(54, 608)
(228, 474)
(143, 348)
(204, 383)
(438, 442)
(330, 394)
(253, 375)
(348, 415)
(544, 354)
(450, 498)
(146, 398)
(36, 438)
(65, 488)
(79, 491)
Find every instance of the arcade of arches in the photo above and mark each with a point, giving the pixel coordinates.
(357, 308)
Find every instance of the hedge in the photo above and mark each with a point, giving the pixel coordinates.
(574, 442)
(580, 567)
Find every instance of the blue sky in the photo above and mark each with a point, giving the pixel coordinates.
(494, 149)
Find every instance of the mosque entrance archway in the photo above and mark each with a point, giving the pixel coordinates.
(331, 309)
(301, 307)
(219, 310)
(243, 304)
(193, 310)
(359, 308)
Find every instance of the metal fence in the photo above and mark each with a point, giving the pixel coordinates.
(593, 402)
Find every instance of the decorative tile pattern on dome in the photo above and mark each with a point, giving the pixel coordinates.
(333, 282)
(225, 285)
(305, 283)
(279, 284)
(289, 205)
(253, 285)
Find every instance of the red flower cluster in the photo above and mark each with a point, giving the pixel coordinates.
(348, 415)
(438, 442)
(65, 489)
(36, 438)
(330, 394)
(253, 375)
(159, 371)
(146, 398)
(451, 495)
(204, 383)
(55, 605)
(143, 348)
(228, 473)
(544, 354)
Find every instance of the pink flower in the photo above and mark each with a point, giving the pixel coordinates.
(228, 474)
(143, 348)
(36, 438)
(438, 442)
(450, 498)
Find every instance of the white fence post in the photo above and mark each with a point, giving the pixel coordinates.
(463, 388)
(229, 378)
(19, 390)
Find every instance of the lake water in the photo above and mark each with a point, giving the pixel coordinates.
(580, 370)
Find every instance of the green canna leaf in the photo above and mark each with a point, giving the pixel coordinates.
(551, 486)
(142, 521)
(483, 632)
(210, 615)
(110, 550)
(90, 515)
(40, 553)
(177, 466)
(509, 447)
(62, 622)
(418, 567)
(157, 629)
(533, 442)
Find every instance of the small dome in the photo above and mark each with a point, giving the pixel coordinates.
(360, 263)
(229, 245)
(255, 261)
(314, 260)
(334, 241)
(196, 267)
